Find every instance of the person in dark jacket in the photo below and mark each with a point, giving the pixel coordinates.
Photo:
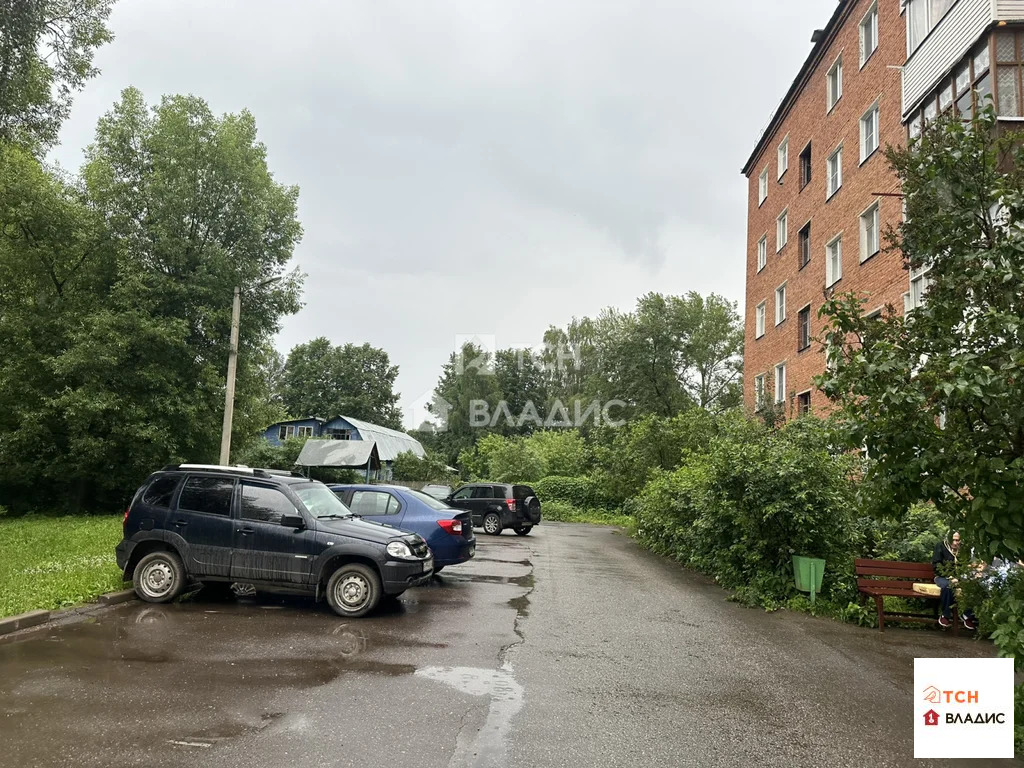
(944, 560)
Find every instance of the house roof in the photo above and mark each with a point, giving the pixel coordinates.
(390, 442)
(821, 44)
(343, 454)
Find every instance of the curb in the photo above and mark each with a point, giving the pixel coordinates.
(22, 621)
(114, 598)
(12, 624)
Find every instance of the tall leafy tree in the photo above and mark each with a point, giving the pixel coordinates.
(522, 381)
(46, 51)
(127, 277)
(937, 396)
(467, 387)
(320, 379)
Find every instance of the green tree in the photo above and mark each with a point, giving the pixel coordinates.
(522, 381)
(430, 469)
(937, 396)
(320, 379)
(117, 299)
(465, 399)
(46, 50)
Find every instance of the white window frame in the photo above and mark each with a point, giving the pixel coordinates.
(833, 93)
(780, 382)
(762, 252)
(798, 396)
(762, 187)
(798, 313)
(837, 156)
(865, 250)
(759, 392)
(919, 284)
(782, 230)
(780, 306)
(869, 21)
(304, 432)
(783, 157)
(288, 430)
(830, 277)
(869, 117)
(760, 312)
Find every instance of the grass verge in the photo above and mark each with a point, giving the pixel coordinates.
(54, 562)
(563, 512)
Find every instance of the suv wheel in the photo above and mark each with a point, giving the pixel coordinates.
(159, 577)
(492, 524)
(353, 590)
(522, 530)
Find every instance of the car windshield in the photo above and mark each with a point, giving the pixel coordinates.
(429, 500)
(321, 501)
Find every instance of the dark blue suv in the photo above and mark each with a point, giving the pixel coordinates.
(214, 525)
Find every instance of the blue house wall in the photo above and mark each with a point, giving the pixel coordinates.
(273, 433)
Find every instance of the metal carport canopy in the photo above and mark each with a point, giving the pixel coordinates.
(342, 454)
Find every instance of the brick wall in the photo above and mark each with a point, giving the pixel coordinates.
(882, 276)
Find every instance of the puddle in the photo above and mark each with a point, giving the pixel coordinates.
(489, 747)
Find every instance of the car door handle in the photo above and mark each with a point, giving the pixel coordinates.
(246, 531)
(181, 522)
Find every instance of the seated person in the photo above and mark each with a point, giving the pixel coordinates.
(945, 556)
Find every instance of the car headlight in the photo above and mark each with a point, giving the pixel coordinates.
(400, 551)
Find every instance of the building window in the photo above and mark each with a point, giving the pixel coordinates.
(804, 241)
(803, 328)
(286, 432)
(780, 303)
(759, 313)
(762, 252)
(782, 230)
(805, 166)
(783, 157)
(869, 133)
(803, 403)
(835, 172)
(870, 223)
(339, 434)
(780, 383)
(759, 392)
(868, 34)
(835, 83)
(304, 432)
(833, 261)
(919, 284)
(922, 16)
(762, 187)
(1008, 65)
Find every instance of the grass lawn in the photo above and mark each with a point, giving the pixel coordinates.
(54, 562)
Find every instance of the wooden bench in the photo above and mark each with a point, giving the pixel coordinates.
(891, 578)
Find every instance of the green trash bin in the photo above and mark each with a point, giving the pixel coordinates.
(807, 574)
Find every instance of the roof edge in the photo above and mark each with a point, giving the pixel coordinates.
(782, 111)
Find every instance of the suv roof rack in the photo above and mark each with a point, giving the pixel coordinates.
(238, 469)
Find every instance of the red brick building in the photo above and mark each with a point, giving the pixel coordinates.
(820, 197)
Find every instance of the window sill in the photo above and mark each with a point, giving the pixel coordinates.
(870, 56)
(782, 176)
(834, 105)
(780, 322)
(758, 338)
(836, 192)
(803, 265)
(801, 350)
(833, 284)
(870, 155)
(869, 257)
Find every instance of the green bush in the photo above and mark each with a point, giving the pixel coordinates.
(578, 491)
(429, 469)
(910, 536)
(756, 497)
(564, 512)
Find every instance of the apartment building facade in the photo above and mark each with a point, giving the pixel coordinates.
(820, 193)
(820, 197)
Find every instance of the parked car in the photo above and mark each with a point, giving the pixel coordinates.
(496, 506)
(448, 532)
(440, 492)
(216, 525)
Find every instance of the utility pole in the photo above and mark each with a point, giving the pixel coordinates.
(229, 394)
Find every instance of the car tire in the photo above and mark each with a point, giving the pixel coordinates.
(533, 509)
(523, 530)
(492, 524)
(159, 577)
(353, 590)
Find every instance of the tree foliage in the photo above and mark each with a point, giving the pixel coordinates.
(46, 50)
(320, 379)
(937, 396)
(115, 299)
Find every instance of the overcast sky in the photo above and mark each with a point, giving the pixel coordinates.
(480, 167)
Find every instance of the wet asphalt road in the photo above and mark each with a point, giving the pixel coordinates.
(569, 647)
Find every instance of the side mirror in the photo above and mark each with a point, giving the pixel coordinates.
(293, 521)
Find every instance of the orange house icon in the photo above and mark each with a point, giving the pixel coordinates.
(931, 717)
(933, 695)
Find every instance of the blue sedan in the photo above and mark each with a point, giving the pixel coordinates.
(448, 532)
